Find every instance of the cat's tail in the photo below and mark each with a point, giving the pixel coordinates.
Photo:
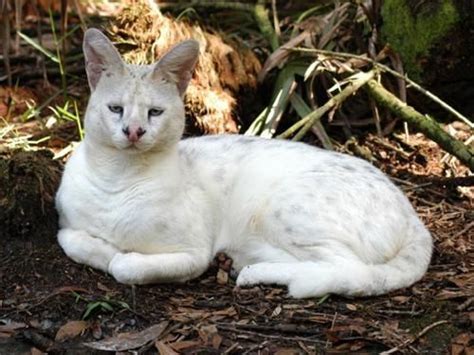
(354, 277)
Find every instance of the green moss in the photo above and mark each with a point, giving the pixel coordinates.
(413, 36)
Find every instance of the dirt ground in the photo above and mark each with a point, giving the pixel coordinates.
(50, 304)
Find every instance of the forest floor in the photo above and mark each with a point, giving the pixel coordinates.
(50, 304)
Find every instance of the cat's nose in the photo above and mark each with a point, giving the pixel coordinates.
(133, 134)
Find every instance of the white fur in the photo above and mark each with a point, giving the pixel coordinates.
(287, 213)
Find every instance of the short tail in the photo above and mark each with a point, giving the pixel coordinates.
(357, 278)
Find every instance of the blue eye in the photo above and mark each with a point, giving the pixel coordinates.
(116, 109)
(155, 112)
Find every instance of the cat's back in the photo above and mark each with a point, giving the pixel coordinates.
(270, 155)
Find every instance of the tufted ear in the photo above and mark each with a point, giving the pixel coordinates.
(178, 64)
(100, 55)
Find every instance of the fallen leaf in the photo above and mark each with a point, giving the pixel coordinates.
(102, 287)
(130, 341)
(342, 332)
(10, 327)
(96, 330)
(222, 277)
(463, 281)
(71, 330)
(206, 331)
(401, 299)
(462, 344)
(276, 311)
(35, 351)
(185, 344)
(351, 307)
(216, 341)
(164, 349)
(287, 352)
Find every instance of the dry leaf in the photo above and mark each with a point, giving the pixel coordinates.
(222, 277)
(10, 327)
(401, 299)
(96, 330)
(102, 287)
(35, 351)
(164, 349)
(216, 341)
(71, 329)
(287, 352)
(461, 344)
(351, 307)
(130, 341)
(281, 54)
(185, 344)
(206, 331)
(276, 311)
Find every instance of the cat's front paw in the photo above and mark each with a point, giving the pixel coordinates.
(125, 268)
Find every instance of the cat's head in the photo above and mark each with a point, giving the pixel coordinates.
(136, 107)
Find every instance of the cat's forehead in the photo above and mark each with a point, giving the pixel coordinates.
(137, 71)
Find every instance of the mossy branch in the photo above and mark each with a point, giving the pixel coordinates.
(424, 124)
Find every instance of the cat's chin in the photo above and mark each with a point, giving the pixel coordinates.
(133, 148)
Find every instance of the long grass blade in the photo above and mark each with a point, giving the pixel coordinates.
(38, 47)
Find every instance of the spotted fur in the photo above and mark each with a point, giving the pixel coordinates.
(159, 209)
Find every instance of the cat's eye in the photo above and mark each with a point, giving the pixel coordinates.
(116, 109)
(155, 112)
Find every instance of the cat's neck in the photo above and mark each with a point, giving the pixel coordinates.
(111, 163)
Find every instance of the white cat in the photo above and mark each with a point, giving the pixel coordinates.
(140, 204)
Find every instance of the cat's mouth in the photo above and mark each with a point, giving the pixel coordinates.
(136, 147)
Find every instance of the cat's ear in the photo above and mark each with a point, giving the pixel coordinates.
(178, 64)
(100, 55)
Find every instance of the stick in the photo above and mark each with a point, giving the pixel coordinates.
(307, 122)
(424, 124)
(411, 341)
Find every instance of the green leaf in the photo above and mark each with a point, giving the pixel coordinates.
(91, 307)
(107, 306)
(38, 47)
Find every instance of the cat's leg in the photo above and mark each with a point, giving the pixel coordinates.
(86, 249)
(268, 273)
(136, 269)
(303, 279)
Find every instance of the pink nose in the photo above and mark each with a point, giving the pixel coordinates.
(133, 134)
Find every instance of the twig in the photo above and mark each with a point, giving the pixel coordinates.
(276, 22)
(279, 328)
(307, 122)
(390, 146)
(229, 5)
(230, 327)
(465, 304)
(5, 36)
(390, 71)
(419, 335)
(470, 226)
